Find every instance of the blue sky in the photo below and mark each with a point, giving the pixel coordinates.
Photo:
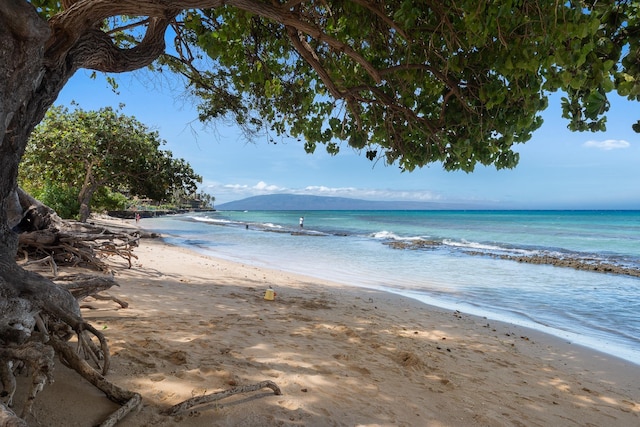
(558, 169)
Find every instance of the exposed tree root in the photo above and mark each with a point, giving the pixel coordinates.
(9, 419)
(80, 245)
(213, 397)
(129, 400)
(123, 304)
(36, 314)
(47, 260)
(43, 234)
(84, 285)
(39, 358)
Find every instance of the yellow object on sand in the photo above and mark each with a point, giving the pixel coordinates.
(269, 295)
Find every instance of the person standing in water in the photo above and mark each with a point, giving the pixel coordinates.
(301, 221)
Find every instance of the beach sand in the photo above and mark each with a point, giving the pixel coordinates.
(342, 356)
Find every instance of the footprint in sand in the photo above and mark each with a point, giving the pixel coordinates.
(178, 357)
(156, 378)
(408, 359)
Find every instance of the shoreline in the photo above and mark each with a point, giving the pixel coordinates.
(614, 349)
(581, 307)
(342, 355)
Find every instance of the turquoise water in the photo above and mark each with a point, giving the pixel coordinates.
(452, 259)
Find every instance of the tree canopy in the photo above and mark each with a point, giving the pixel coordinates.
(412, 82)
(91, 150)
(452, 82)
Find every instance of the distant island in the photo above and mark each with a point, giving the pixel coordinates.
(295, 202)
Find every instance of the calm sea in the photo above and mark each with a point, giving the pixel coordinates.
(462, 260)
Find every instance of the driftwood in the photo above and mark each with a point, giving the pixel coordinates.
(213, 397)
(78, 245)
(123, 304)
(43, 234)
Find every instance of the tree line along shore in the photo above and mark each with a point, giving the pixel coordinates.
(131, 214)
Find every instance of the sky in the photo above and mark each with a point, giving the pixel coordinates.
(558, 169)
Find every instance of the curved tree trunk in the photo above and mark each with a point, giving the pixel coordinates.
(84, 198)
(28, 87)
(21, 73)
(37, 58)
(89, 187)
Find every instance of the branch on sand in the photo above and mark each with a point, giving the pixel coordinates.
(213, 397)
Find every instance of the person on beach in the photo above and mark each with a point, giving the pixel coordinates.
(301, 221)
(137, 217)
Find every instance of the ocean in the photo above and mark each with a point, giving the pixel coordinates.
(572, 274)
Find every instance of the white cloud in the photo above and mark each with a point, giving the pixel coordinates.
(229, 192)
(322, 190)
(609, 144)
(264, 187)
(369, 193)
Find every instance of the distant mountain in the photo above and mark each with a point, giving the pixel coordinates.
(294, 202)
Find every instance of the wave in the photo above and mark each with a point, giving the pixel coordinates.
(385, 235)
(465, 244)
(416, 242)
(209, 220)
(533, 254)
(558, 257)
(232, 223)
(270, 225)
(389, 235)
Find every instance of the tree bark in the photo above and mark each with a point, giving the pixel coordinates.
(22, 37)
(84, 198)
(33, 70)
(9, 419)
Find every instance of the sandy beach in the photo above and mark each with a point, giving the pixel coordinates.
(342, 356)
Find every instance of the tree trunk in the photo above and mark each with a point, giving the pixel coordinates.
(28, 87)
(84, 198)
(37, 58)
(21, 72)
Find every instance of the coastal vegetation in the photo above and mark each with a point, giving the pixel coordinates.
(405, 82)
(79, 159)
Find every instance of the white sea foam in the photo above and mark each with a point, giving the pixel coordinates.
(472, 245)
(210, 220)
(388, 235)
(272, 225)
(385, 235)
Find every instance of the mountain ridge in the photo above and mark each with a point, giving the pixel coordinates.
(286, 202)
